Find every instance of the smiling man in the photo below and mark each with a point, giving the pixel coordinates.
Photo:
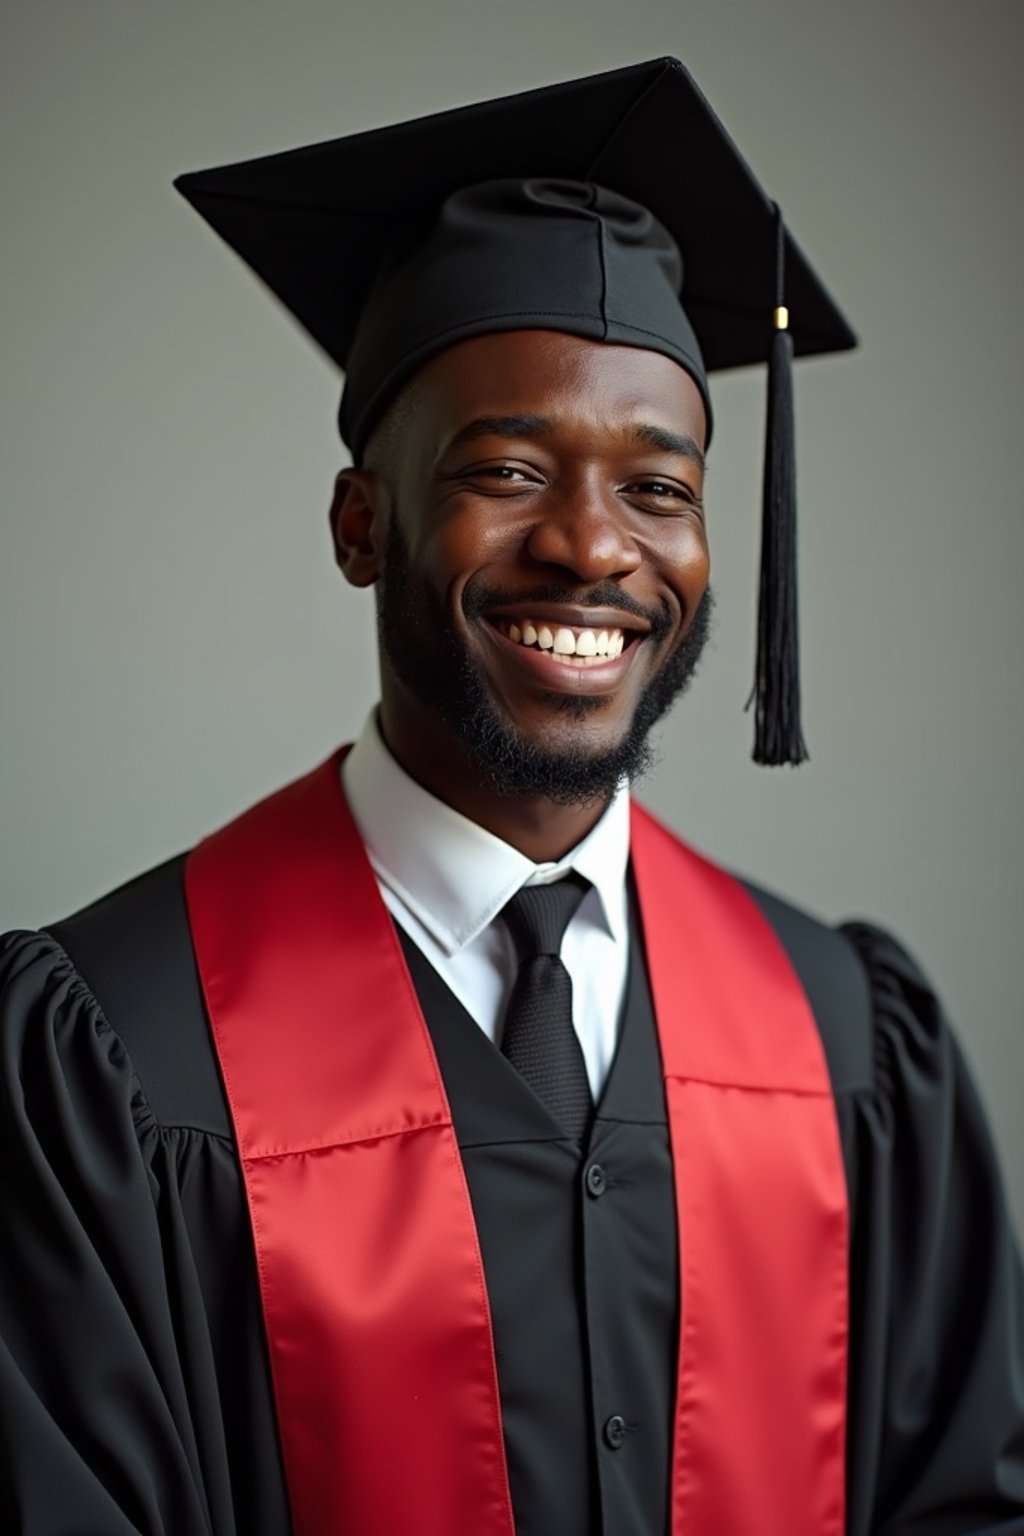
(443, 1147)
(533, 516)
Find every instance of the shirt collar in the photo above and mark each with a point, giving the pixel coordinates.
(453, 875)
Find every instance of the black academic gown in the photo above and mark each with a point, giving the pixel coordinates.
(134, 1385)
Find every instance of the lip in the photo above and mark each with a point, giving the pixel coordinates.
(559, 676)
(571, 616)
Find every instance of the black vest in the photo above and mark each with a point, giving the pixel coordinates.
(581, 1259)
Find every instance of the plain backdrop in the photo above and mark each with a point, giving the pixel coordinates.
(174, 638)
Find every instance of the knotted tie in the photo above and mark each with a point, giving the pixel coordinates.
(539, 1039)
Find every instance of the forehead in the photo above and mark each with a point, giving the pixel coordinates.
(580, 385)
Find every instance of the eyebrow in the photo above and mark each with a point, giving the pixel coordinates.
(531, 426)
(670, 442)
(502, 426)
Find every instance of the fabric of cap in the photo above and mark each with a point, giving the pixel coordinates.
(317, 224)
(518, 255)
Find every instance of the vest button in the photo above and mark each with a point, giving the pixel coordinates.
(615, 1431)
(597, 1180)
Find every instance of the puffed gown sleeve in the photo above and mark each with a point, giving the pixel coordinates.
(936, 1428)
(109, 1423)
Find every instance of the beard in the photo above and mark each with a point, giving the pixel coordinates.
(427, 656)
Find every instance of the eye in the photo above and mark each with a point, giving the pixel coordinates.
(666, 491)
(509, 473)
(498, 478)
(658, 488)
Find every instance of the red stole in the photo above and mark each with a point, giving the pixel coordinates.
(372, 1285)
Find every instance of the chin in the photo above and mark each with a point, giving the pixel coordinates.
(565, 723)
(562, 761)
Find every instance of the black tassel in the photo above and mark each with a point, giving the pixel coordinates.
(778, 736)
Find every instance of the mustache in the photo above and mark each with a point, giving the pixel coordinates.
(477, 598)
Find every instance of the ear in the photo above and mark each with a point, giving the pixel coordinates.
(358, 522)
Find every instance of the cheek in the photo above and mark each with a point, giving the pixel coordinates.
(683, 561)
(466, 541)
(698, 566)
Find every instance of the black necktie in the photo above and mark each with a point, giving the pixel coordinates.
(539, 1039)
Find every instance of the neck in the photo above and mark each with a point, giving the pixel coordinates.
(539, 828)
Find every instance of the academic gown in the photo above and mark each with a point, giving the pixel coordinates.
(134, 1382)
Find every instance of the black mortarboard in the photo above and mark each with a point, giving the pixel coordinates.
(586, 207)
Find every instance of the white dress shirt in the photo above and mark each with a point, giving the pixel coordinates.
(444, 880)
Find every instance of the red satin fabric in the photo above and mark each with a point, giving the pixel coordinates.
(370, 1271)
(760, 1432)
(372, 1284)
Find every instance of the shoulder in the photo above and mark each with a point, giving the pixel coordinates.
(827, 963)
(872, 1003)
(132, 945)
(837, 984)
(877, 1012)
(128, 959)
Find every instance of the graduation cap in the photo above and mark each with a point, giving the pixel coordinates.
(614, 207)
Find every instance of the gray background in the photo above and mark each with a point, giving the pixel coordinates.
(175, 640)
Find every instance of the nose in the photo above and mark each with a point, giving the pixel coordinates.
(585, 534)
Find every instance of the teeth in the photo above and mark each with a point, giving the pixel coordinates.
(560, 640)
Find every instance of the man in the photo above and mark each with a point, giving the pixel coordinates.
(442, 1146)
